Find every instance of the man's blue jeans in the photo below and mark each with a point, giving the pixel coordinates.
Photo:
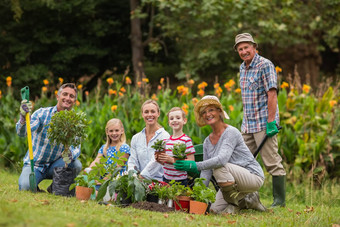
(24, 183)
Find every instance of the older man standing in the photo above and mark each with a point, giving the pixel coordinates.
(258, 82)
(46, 156)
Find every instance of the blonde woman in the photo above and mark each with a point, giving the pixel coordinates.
(141, 151)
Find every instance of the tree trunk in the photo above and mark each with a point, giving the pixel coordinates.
(302, 60)
(136, 42)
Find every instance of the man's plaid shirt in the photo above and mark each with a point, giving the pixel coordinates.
(255, 82)
(44, 152)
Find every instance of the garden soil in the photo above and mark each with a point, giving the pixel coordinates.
(145, 205)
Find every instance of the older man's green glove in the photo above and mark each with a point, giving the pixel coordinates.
(271, 129)
(189, 166)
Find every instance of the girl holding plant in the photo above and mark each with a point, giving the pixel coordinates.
(228, 159)
(115, 142)
(141, 144)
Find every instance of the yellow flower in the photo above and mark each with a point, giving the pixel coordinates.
(0, 94)
(231, 108)
(191, 82)
(185, 108)
(61, 80)
(161, 81)
(109, 81)
(9, 81)
(200, 92)
(112, 92)
(45, 82)
(306, 88)
(80, 87)
(113, 108)
(87, 93)
(44, 89)
(139, 84)
(122, 89)
(202, 85)
(128, 80)
(278, 69)
(331, 103)
(228, 85)
(145, 80)
(77, 103)
(218, 91)
(238, 90)
(120, 94)
(154, 97)
(216, 85)
(194, 101)
(55, 92)
(159, 87)
(284, 85)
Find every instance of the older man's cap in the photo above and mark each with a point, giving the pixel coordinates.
(244, 37)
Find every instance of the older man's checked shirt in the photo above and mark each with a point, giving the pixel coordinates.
(255, 82)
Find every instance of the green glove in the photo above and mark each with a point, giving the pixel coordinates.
(189, 166)
(271, 129)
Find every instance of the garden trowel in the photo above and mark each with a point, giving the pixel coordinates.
(25, 93)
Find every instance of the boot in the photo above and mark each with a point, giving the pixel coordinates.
(252, 201)
(279, 191)
(230, 195)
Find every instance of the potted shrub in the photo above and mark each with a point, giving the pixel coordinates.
(179, 151)
(159, 147)
(202, 197)
(69, 129)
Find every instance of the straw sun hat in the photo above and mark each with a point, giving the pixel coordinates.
(202, 104)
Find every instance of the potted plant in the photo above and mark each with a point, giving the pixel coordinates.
(159, 147)
(161, 189)
(179, 151)
(69, 129)
(85, 183)
(129, 188)
(181, 196)
(202, 197)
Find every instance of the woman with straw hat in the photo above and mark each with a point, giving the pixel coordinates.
(228, 159)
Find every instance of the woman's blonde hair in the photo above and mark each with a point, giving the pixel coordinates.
(122, 139)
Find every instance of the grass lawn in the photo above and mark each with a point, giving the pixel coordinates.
(42, 209)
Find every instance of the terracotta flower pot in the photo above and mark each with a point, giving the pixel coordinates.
(182, 203)
(83, 193)
(197, 207)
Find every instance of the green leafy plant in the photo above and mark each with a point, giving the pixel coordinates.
(126, 186)
(91, 178)
(163, 191)
(159, 146)
(201, 193)
(179, 189)
(69, 129)
(179, 151)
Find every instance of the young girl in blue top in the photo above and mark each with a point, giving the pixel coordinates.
(115, 141)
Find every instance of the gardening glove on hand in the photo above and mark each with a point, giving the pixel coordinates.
(189, 166)
(25, 107)
(271, 129)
